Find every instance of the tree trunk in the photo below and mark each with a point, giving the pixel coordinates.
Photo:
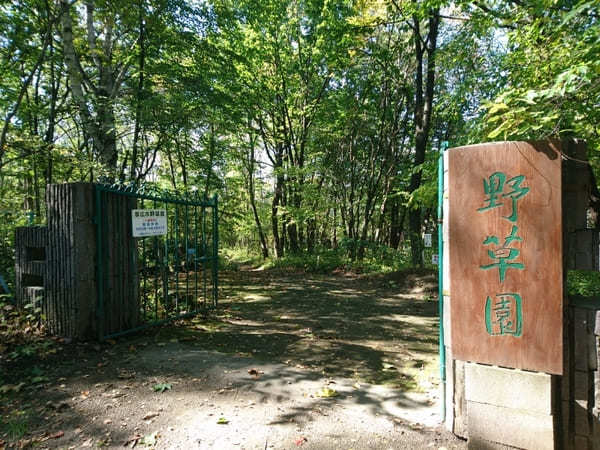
(425, 56)
(251, 194)
(101, 126)
(397, 215)
(139, 97)
(277, 199)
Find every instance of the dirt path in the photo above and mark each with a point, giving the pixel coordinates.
(290, 361)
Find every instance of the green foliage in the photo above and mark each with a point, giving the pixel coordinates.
(16, 425)
(553, 69)
(378, 259)
(22, 335)
(321, 262)
(583, 282)
(300, 115)
(162, 387)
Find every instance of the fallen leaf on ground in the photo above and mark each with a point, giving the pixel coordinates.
(11, 387)
(326, 392)
(255, 372)
(133, 440)
(56, 435)
(162, 387)
(124, 375)
(25, 443)
(222, 421)
(58, 406)
(149, 439)
(301, 441)
(150, 415)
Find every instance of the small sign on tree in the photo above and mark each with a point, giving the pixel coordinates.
(427, 239)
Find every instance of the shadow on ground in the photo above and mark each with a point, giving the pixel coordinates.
(377, 330)
(287, 354)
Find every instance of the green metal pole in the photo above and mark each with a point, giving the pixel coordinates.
(204, 256)
(441, 275)
(177, 262)
(187, 258)
(215, 252)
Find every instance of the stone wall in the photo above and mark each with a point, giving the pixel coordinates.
(55, 265)
(30, 265)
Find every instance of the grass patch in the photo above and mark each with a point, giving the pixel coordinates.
(235, 257)
(16, 425)
(377, 259)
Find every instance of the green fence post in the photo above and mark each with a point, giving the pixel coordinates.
(440, 214)
(215, 251)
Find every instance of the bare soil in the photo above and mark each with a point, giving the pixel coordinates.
(289, 360)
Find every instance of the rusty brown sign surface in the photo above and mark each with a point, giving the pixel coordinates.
(505, 249)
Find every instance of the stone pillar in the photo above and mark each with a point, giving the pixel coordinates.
(494, 406)
(577, 389)
(71, 270)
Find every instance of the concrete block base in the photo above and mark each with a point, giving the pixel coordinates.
(508, 407)
(517, 428)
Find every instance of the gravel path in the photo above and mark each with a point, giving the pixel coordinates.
(289, 361)
(218, 401)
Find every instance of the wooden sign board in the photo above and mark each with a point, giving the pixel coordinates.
(506, 280)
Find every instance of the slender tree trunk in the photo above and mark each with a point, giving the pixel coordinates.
(22, 92)
(50, 130)
(278, 239)
(140, 96)
(424, 90)
(172, 171)
(397, 215)
(335, 242)
(369, 209)
(212, 151)
(252, 196)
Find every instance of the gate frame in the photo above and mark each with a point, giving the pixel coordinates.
(151, 193)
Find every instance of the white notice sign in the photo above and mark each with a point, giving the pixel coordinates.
(148, 222)
(427, 239)
(435, 259)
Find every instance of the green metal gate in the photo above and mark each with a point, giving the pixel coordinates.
(157, 257)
